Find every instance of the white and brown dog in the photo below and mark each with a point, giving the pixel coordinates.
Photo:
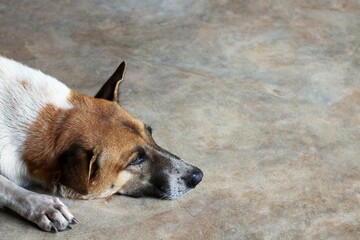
(77, 146)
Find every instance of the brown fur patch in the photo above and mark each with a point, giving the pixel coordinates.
(41, 147)
(95, 125)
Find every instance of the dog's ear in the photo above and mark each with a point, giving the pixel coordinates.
(78, 168)
(110, 90)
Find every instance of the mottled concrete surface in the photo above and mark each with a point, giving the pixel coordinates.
(264, 96)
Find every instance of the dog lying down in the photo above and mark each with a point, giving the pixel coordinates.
(76, 146)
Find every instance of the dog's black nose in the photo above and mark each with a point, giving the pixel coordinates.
(195, 178)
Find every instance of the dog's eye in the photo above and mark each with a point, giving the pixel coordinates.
(138, 160)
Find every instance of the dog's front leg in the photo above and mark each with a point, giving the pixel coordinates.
(49, 213)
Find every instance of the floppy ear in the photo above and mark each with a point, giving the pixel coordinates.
(78, 168)
(110, 90)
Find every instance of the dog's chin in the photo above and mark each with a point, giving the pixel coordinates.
(175, 195)
(163, 194)
(145, 194)
(158, 196)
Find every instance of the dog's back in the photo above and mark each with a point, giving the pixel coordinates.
(23, 93)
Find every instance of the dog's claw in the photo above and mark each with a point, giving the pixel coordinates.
(74, 221)
(69, 227)
(53, 229)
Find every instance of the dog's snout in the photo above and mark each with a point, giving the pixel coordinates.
(195, 177)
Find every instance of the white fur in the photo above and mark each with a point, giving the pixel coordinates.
(23, 93)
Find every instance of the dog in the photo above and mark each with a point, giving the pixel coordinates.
(76, 146)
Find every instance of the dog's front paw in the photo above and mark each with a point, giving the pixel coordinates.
(49, 213)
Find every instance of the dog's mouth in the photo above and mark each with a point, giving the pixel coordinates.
(171, 188)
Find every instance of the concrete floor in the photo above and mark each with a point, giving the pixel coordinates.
(264, 96)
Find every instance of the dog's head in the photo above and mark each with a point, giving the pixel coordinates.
(112, 152)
